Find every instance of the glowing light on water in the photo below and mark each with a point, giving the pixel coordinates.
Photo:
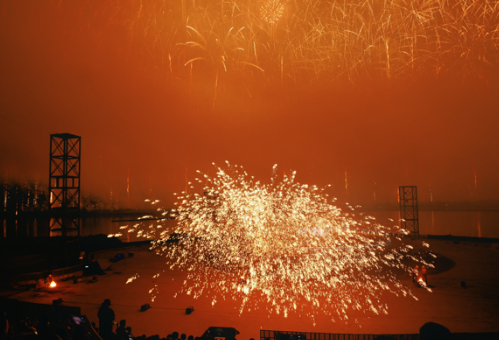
(285, 244)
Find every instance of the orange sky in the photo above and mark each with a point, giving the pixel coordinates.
(80, 69)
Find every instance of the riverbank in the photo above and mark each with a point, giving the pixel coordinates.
(44, 254)
(471, 309)
(38, 254)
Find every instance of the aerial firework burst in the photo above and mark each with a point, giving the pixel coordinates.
(314, 42)
(245, 46)
(271, 11)
(284, 244)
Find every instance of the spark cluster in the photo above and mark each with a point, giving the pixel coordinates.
(283, 245)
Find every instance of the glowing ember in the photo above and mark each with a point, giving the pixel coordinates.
(283, 243)
(52, 284)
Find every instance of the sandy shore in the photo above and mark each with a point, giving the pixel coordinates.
(474, 309)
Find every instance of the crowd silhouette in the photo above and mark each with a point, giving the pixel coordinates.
(70, 327)
(41, 326)
(16, 325)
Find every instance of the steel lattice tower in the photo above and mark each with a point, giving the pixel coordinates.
(64, 183)
(409, 213)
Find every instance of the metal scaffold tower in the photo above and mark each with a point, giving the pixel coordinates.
(409, 214)
(64, 183)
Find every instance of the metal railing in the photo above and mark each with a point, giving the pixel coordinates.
(24, 308)
(285, 335)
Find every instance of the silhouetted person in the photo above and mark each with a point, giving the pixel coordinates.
(174, 335)
(434, 331)
(190, 337)
(94, 326)
(95, 268)
(183, 336)
(106, 318)
(424, 275)
(4, 325)
(122, 332)
(121, 327)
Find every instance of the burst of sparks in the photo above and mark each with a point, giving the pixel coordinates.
(271, 11)
(282, 243)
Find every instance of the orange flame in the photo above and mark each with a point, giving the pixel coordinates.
(53, 284)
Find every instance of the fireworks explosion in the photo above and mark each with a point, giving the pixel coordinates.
(254, 45)
(315, 42)
(283, 244)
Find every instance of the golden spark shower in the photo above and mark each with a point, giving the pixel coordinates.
(283, 244)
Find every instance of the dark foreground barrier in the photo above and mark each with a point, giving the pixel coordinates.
(284, 335)
(22, 308)
(90, 332)
(75, 324)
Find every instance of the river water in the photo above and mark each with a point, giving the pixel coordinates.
(457, 223)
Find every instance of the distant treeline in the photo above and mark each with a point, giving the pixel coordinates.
(22, 197)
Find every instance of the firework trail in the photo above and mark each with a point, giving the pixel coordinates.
(284, 244)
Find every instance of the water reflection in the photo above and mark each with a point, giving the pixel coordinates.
(458, 223)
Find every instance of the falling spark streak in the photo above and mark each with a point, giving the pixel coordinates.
(346, 182)
(282, 244)
(474, 173)
(432, 221)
